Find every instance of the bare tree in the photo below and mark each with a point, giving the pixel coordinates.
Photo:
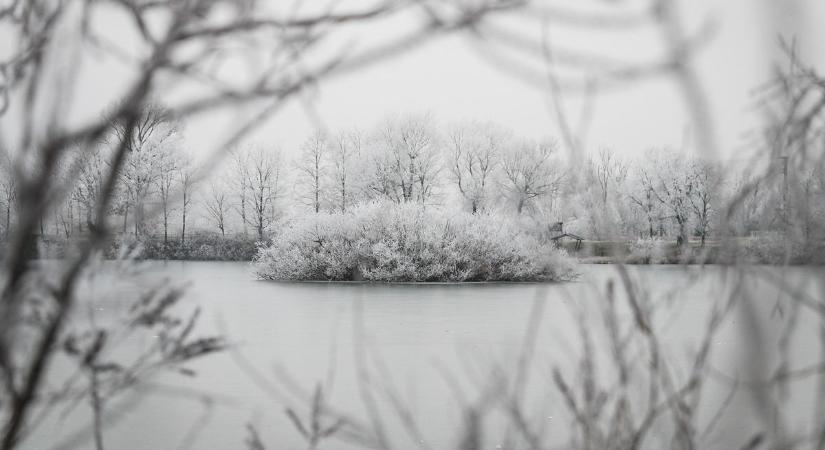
(345, 153)
(264, 188)
(706, 183)
(642, 197)
(608, 171)
(217, 206)
(188, 177)
(312, 169)
(475, 152)
(239, 183)
(407, 163)
(530, 171)
(8, 190)
(167, 178)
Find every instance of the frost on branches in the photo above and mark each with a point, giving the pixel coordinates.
(392, 242)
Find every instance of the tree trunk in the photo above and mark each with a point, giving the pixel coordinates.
(183, 222)
(343, 196)
(88, 217)
(97, 409)
(79, 218)
(70, 225)
(243, 213)
(8, 218)
(138, 218)
(682, 232)
(317, 188)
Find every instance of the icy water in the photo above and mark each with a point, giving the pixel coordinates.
(423, 343)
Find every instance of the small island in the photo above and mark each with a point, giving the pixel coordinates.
(404, 242)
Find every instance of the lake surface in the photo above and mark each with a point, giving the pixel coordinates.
(422, 343)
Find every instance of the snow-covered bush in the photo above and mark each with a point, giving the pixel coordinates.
(774, 248)
(649, 251)
(389, 242)
(197, 247)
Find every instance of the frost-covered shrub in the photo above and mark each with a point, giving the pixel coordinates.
(197, 247)
(649, 251)
(773, 248)
(316, 247)
(388, 242)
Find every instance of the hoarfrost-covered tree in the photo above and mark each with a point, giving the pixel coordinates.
(346, 166)
(166, 182)
(148, 143)
(216, 204)
(407, 160)
(264, 170)
(312, 170)
(609, 171)
(671, 182)
(530, 171)
(474, 156)
(641, 196)
(706, 181)
(239, 184)
(187, 175)
(92, 164)
(601, 191)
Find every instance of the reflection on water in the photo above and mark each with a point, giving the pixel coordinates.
(417, 336)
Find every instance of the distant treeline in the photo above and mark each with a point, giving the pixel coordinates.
(474, 167)
(199, 246)
(764, 249)
(204, 246)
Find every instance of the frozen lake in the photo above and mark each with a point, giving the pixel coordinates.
(422, 342)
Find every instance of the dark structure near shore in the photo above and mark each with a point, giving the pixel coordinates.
(557, 231)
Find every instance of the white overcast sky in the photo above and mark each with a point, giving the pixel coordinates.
(451, 80)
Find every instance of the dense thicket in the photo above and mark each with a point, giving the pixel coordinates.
(404, 242)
